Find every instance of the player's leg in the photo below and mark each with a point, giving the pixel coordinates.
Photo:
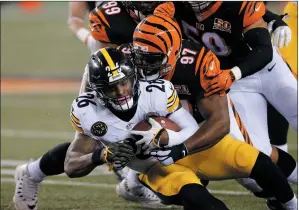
(252, 109)
(278, 128)
(179, 185)
(233, 158)
(29, 176)
(279, 86)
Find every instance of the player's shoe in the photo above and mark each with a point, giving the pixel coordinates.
(274, 205)
(139, 193)
(25, 197)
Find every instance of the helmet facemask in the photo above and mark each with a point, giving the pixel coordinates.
(121, 92)
(150, 65)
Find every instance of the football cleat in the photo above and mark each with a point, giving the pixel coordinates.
(25, 197)
(139, 193)
(274, 205)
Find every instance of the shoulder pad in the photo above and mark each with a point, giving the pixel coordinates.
(251, 11)
(173, 100)
(79, 107)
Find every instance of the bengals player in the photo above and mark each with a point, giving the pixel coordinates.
(156, 53)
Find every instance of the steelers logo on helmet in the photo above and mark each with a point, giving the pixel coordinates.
(99, 129)
(112, 76)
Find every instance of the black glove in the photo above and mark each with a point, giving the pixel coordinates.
(117, 154)
(169, 155)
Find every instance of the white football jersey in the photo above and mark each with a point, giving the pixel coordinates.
(90, 117)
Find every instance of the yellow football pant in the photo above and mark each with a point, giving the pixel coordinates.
(228, 159)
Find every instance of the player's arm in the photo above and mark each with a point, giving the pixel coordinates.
(215, 110)
(82, 156)
(217, 123)
(280, 31)
(162, 137)
(257, 37)
(77, 11)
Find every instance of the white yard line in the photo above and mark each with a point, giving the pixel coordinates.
(103, 185)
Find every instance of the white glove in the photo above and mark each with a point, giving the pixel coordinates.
(150, 135)
(93, 44)
(282, 35)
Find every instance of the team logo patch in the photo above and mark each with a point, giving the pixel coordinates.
(99, 129)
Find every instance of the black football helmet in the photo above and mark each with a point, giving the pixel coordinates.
(108, 70)
(141, 9)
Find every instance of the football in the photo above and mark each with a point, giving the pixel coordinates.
(163, 121)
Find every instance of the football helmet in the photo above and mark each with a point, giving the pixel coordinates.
(113, 77)
(157, 42)
(144, 7)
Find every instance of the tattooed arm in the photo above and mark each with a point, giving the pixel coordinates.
(79, 157)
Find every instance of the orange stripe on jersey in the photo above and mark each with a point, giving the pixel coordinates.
(253, 12)
(240, 124)
(210, 11)
(75, 119)
(210, 67)
(97, 29)
(199, 58)
(103, 18)
(243, 6)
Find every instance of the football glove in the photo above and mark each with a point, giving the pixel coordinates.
(280, 32)
(151, 138)
(119, 154)
(221, 83)
(169, 155)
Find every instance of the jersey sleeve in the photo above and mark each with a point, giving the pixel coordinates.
(207, 67)
(173, 100)
(75, 116)
(251, 11)
(111, 23)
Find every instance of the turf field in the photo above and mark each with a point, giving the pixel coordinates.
(35, 117)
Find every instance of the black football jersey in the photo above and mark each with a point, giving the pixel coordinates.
(220, 28)
(92, 4)
(110, 22)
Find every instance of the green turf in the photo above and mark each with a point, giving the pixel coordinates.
(40, 44)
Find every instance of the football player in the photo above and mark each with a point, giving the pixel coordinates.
(29, 176)
(100, 28)
(237, 34)
(156, 52)
(104, 118)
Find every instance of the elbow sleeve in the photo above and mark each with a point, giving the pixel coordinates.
(259, 40)
(187, 124)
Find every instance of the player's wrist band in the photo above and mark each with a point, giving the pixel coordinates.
(82, 34)
(96, 157)
(237, 72)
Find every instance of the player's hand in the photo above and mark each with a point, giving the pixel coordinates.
(280, 32)
(119, 154)
(92, 44)
(170, 155)
(151, 138)
(221, 83)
